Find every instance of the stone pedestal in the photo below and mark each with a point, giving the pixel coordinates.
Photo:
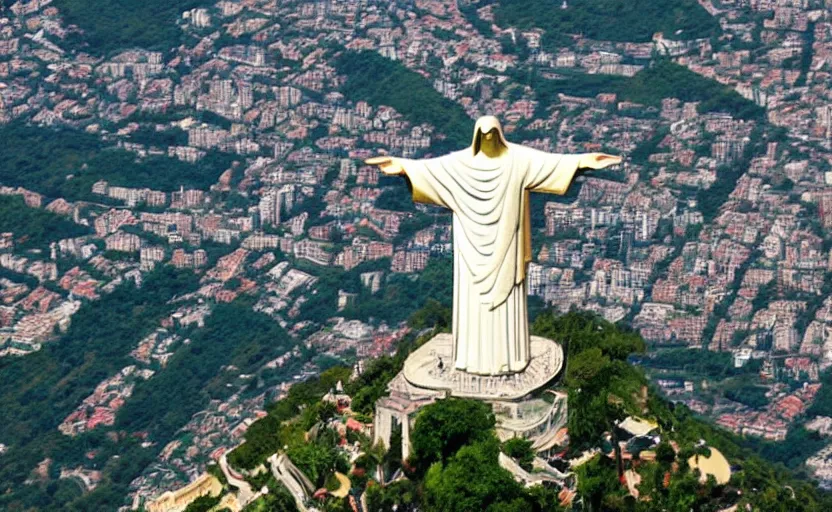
(431, 366)
(429, 375)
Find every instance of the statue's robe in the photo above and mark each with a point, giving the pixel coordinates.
(489, 198)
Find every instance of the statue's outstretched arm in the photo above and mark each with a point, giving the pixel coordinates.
(387, 164)
(423, 184)
(597, 161)
(553, 174)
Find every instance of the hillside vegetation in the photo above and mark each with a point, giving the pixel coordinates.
(65, 163)
(380, 81)
(37, 392)
(663, 79)
(454, 466)
(111, 25)
(608, 20)
(35, 227)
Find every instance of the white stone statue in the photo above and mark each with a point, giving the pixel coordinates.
(487, 187)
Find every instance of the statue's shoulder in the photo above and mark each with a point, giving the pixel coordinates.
(462, 155)
(530, 152)
(519, 148)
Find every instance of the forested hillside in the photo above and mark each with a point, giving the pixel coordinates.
(454, 462)
(608, 20)
(35, 228)
(65, 163)
(380, 81)
(110, 25)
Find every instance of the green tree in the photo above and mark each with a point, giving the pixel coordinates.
(520, 450)
(203, 504)
(433, 314)
(472, 481)
(444, 427)
(608, 20)
(381, 81)
(316, 460)
(399, 496)
(109, 25)
(598, 484)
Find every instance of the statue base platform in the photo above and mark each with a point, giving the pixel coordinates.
(424, 380)
(431, 367)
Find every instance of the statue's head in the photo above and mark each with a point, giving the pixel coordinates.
(488, 136)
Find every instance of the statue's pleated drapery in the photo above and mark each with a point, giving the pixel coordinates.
(489, 198)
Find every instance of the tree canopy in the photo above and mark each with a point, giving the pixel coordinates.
(608, 20)
(65, 163)
(35, 227)
(454, 462)
(110, 25)
(445, 427)
(380, 81)
(473, 481)
(662, 79)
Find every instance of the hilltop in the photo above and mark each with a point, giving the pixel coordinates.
(624, 447)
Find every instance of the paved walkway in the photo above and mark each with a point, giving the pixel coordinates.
(245, 495)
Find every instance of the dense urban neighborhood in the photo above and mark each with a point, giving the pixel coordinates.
(219, 174)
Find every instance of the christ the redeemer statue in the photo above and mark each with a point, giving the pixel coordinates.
(487, 187)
